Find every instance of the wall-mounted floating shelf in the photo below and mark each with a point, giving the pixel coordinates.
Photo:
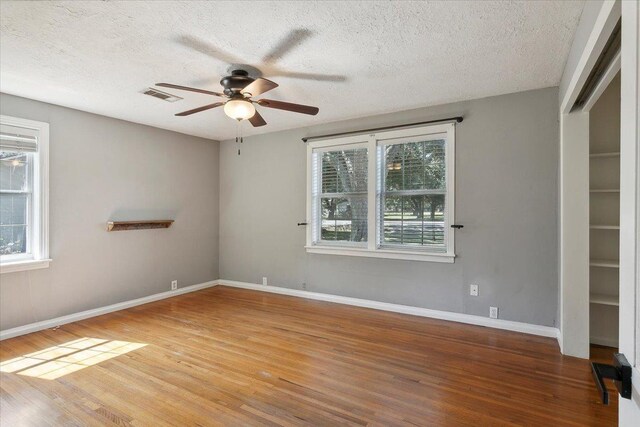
(138, 225)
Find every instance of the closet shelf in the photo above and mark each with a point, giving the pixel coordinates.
(607, 263)
(604, 299)
(602, 155)
(604, 227)
(138, 225)
(605, 190)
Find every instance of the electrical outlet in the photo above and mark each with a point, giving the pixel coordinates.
(493, 312)
(264, 281)
(473, 290)
(304, 286)
(174, 285)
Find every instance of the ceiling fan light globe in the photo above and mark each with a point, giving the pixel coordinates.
(239, 109)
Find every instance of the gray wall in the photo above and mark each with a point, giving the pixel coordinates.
(506, 196)
(101, 169)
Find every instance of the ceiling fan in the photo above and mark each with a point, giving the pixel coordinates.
(239, 89)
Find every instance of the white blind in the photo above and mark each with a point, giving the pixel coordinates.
(412, 194)
(18, 139)
(340, 195)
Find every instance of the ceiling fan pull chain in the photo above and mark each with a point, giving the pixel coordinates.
(238, 136)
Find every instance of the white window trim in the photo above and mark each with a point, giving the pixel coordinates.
(40, 253)
(372, 141)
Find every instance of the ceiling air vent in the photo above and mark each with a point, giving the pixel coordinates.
(161, 95)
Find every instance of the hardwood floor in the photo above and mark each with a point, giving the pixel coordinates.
(225, 356)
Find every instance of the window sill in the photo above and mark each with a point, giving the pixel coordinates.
(14, 266)
(383, 253)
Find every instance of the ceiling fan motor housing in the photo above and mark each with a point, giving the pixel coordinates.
(233, 84)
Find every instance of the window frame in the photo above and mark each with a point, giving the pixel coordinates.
(373, 247)
(37, 255)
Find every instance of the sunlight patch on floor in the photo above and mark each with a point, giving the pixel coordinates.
(57, 361)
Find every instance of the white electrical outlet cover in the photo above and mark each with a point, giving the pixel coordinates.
(473, 290)
(493, 312)
(264, 281)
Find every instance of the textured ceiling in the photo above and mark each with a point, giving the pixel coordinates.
(350, 59)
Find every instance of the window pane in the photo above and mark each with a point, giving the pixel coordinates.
(393, 220)
(13, 209)
(393, 168)
(343, 196)
(434, 165)
(433, 219)
(344, 171)
(415, 166)
(13, 223)
(414, 220)
(13, 239)
(14, 171)
(344, 219)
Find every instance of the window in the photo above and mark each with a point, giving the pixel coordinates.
(23, 188)
(412, 194)
(388, 194)
(341, 196)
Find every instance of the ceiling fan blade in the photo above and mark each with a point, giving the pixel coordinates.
(296, 108)
(310, 76)
(203, 108)
(190, 89)
(285, 45)
(259, 86)
(257, 120)
(207, 48)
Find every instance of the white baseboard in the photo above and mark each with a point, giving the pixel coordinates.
(545, 331)
(527, 328)
(560, 340)
(51, 323)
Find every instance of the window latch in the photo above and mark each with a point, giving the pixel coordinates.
(457, 226)
(302, 223)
